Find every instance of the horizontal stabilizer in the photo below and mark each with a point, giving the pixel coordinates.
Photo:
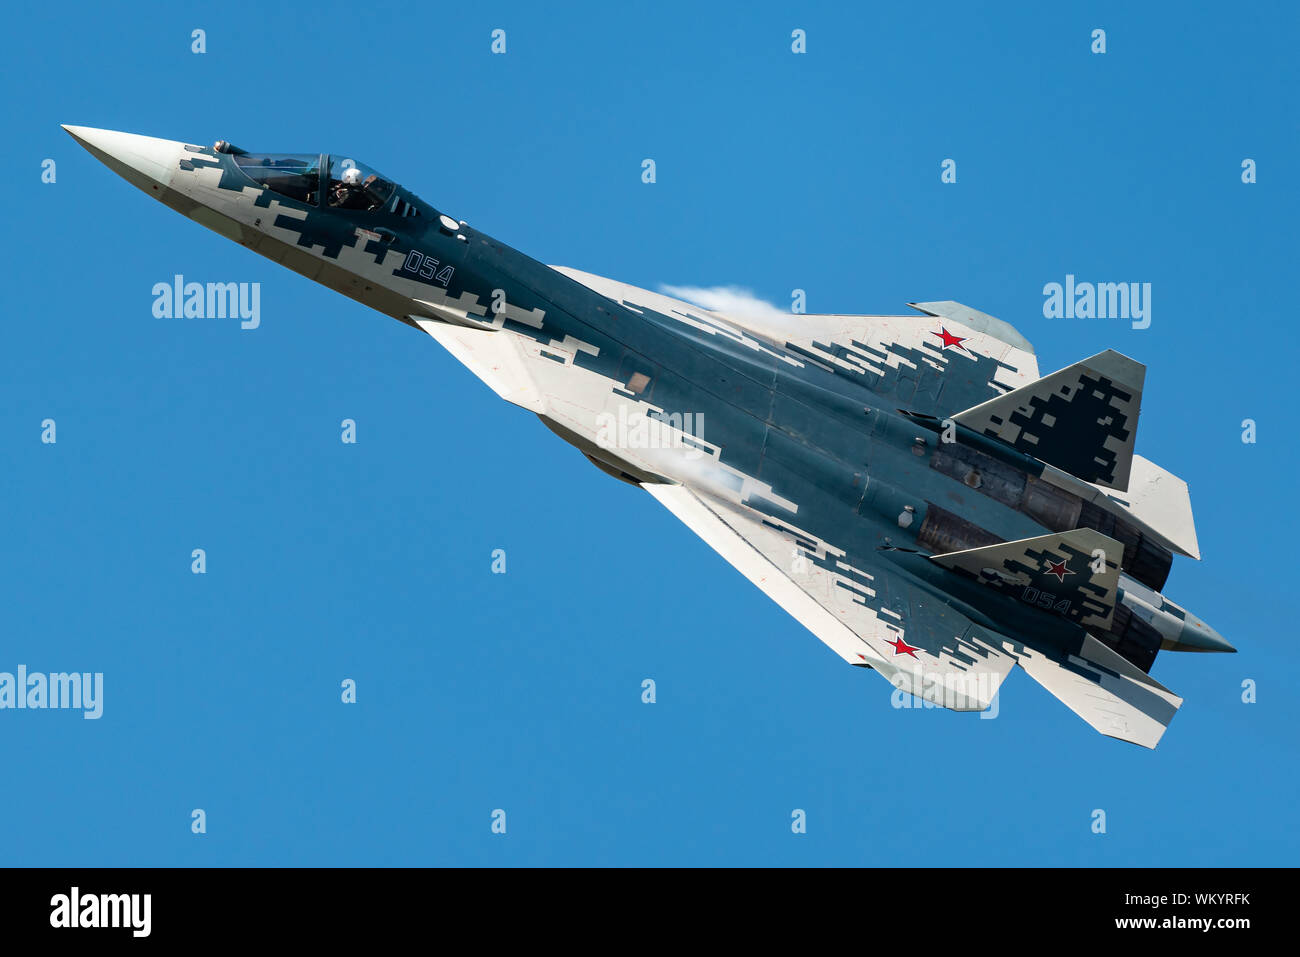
(1160, 500)
(1106, 691)
(1082, 419)
(1071, 574)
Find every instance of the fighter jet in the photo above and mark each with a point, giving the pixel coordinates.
(908, 488)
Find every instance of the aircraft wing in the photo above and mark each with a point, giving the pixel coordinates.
(871, 615)
(940, 363)
(927, 364)
(868, 616)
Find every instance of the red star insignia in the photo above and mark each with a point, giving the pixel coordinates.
(903, 648)
(1058, 569)
(949, 339)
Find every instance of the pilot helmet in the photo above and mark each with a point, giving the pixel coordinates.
(352, 176)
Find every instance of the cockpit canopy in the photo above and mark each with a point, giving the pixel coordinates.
(354, 186)
(347, 184)
(296, 175)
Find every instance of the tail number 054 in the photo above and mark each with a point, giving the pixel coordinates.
(1045, 599)
(426, 267)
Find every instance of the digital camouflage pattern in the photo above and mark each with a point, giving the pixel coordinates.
(908, 488)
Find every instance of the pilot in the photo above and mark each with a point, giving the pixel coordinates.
(346, 193)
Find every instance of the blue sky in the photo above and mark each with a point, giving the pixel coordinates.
(372, 561)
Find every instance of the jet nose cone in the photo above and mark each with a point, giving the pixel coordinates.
(143, 161)
(1198, 636)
